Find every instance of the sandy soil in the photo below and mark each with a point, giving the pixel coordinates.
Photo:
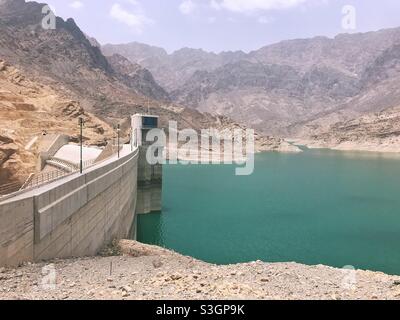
(147, 272)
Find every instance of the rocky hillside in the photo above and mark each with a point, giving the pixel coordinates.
(372, 132)
(172, 70)
(282, 88)
(71, 62)
(66, 58)
(29, 108)
(69, 76)
(135, 76)
(369, 121)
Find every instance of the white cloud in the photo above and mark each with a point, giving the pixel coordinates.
(211, 20)
(76, 4)
(255, 5)
(187, 7)
(265, 20)
(215, 5)
(134, 18)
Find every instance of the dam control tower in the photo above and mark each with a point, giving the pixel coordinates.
(149, 193)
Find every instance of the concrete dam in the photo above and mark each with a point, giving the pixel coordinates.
(78, 214)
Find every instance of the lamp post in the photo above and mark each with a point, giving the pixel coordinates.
(131, 139)
(118, 131)
(81, 144)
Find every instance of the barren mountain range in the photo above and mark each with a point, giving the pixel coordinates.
(292, 88)
(61, 74)
(342, 92)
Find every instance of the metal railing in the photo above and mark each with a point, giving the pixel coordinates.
(61, 165)
(42, 178)
(9, 188)
(88, 163)
(27, 181)
(66, 167)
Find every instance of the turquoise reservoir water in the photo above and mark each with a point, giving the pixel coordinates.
(318, 207)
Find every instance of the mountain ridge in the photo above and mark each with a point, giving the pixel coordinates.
(80, 80)
(281, 87)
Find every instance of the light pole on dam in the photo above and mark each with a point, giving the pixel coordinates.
(149, 175)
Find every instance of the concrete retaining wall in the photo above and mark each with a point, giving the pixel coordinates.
(72, 217)
(107, 152)
(58, 141)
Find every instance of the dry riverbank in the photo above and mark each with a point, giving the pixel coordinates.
(146, 272)
(370, 146)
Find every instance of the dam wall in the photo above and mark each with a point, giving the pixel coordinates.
(71, 217)
(149, 185)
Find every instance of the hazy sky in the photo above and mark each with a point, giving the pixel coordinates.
(218, 25)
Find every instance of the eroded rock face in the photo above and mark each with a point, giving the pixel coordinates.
(5, 140)
(372, 132)
(2, 65)
(27, 108)
(7, 150)
(49, 78)
(65, 59)
(281, 88)
(73, 64)
(173, 70)
(135, 76)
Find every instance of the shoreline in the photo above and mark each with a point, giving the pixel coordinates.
(349, 146)
(136, 271)
(207, 157)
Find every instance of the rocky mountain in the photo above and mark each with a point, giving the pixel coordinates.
(66, 56)
(368, 118)
(29, 108)
(135, 76)
(268, 97)
(65, 59)
(286, 87)
(50, 77)
(172, 70)
(379, 132)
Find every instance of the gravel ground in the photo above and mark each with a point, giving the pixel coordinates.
(160, 274)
